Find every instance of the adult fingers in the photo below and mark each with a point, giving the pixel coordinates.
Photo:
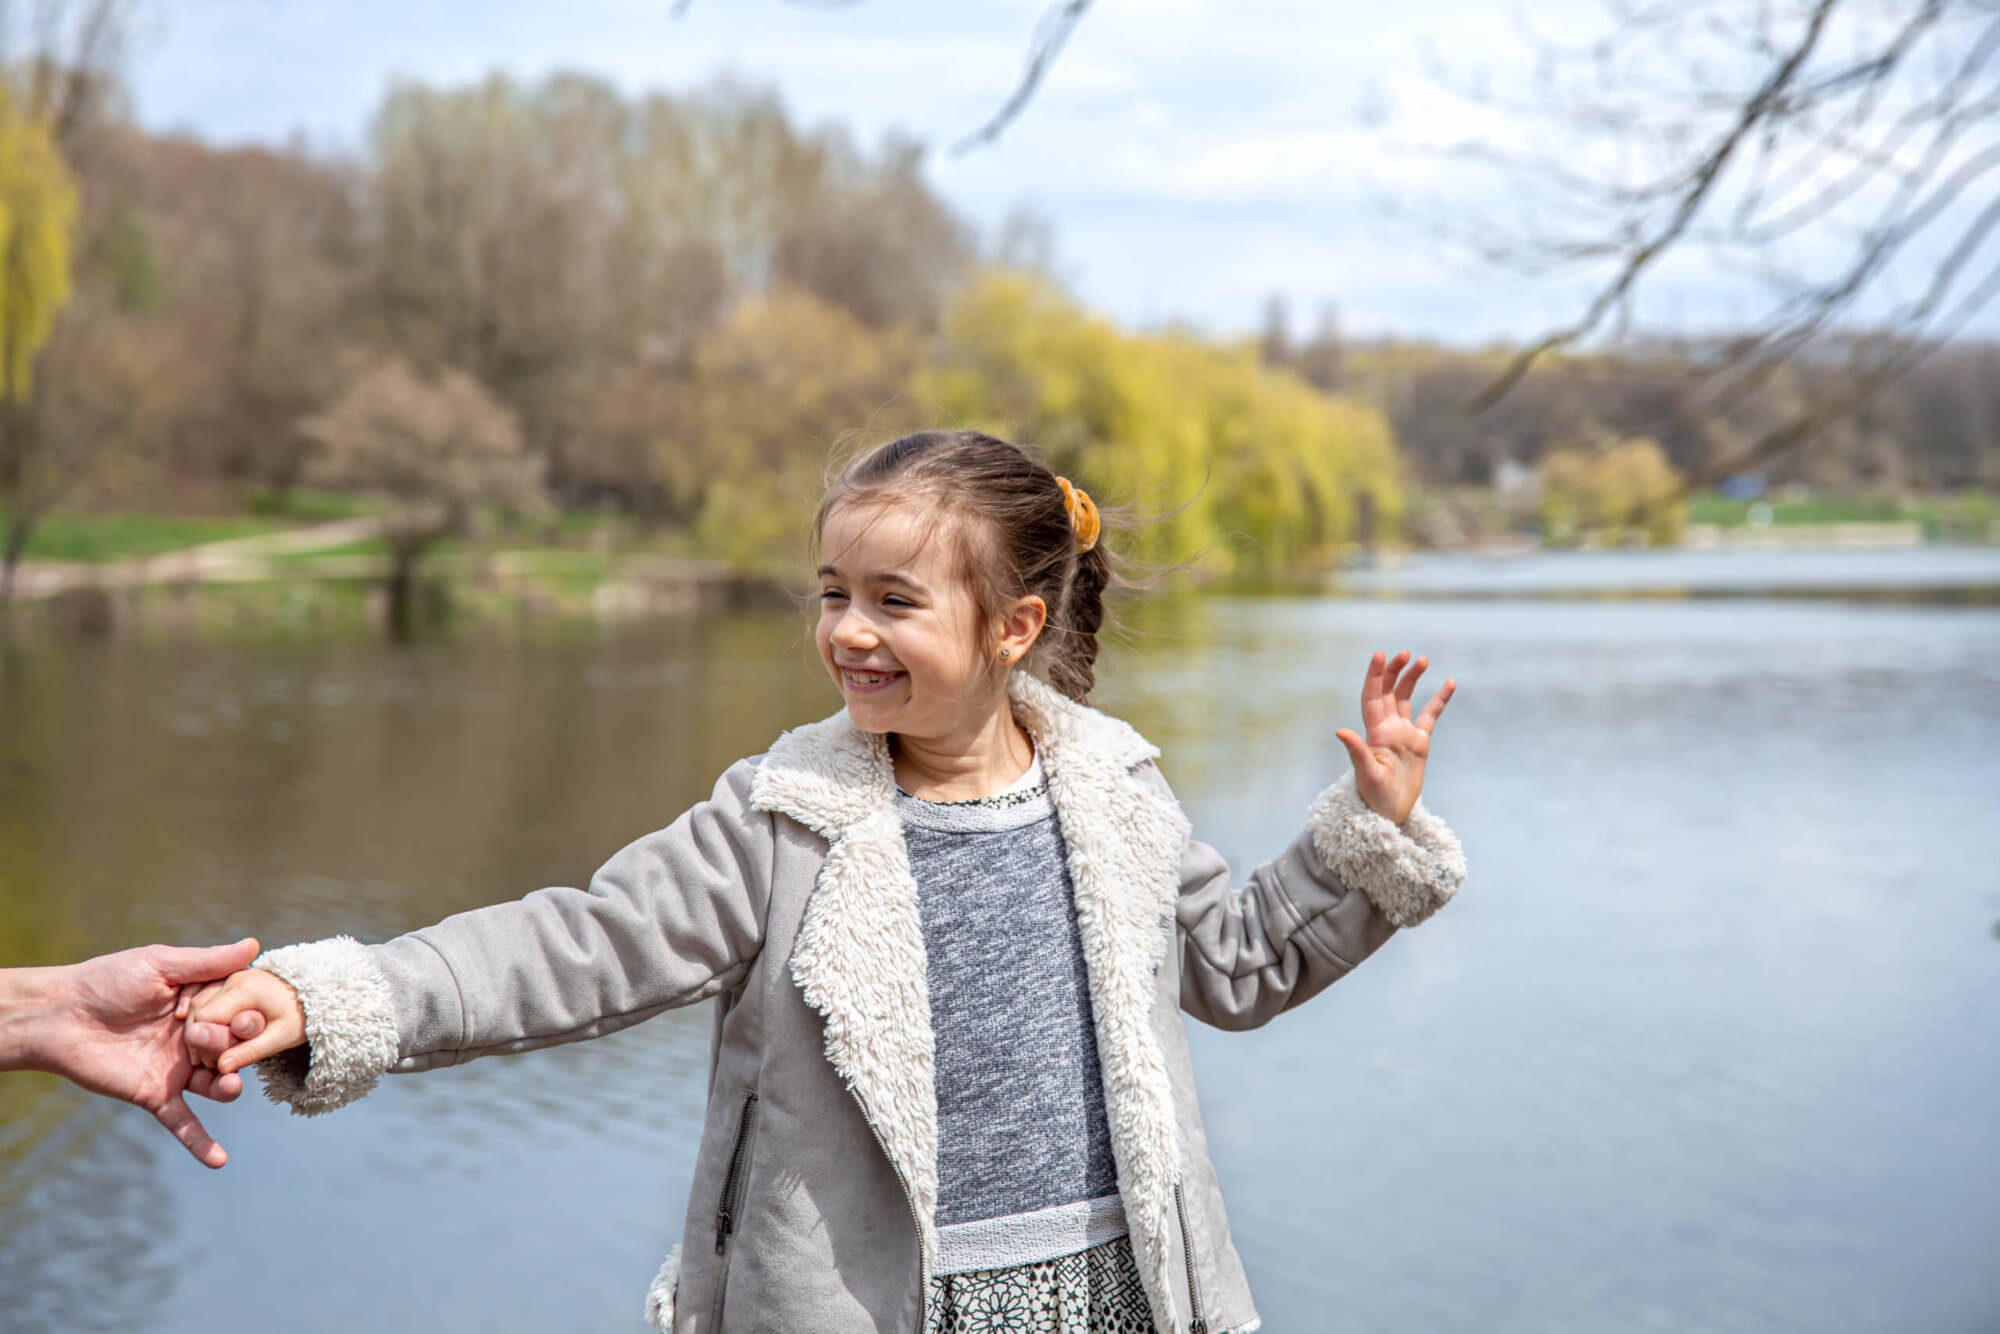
(214, 1087)
(206, 1042)
(1428, 718)
(184, 1126)
(186, 963)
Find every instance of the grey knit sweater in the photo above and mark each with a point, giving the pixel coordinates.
(1025, 1170)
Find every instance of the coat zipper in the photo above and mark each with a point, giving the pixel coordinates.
(725, 1217)
(923, 1261)
(1198, 1325)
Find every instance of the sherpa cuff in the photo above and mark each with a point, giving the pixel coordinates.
(350, 1026)
(1407, 870)
(660, 1298)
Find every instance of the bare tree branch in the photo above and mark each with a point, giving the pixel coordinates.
(1050, 36)
(1702, 181)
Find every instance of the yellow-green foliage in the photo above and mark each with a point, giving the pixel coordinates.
(774, 387)
(38, 210)
(1273, 468)
(1614, 489)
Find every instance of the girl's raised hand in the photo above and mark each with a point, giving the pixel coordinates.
(1389, 764)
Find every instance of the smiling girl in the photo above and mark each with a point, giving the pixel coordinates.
(950, 932)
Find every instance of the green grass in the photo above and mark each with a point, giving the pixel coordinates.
(106, 537)
(1715, 509)
(301, 505)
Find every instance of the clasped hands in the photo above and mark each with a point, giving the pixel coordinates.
(243, 1019)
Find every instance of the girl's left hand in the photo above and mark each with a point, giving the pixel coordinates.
(1389, 765)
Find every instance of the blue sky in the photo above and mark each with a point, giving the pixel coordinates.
(1193, 155)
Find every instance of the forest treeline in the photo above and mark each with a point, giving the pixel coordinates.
(675, 306)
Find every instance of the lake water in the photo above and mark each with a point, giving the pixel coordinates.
(1706, 1044)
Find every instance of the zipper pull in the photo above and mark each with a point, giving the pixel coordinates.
(1198, 1325)
(724, 1224)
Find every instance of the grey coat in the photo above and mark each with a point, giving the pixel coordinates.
(787, 897)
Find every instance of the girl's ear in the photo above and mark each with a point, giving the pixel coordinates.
(1020, 626)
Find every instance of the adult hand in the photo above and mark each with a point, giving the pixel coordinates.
(113, 1025)
(1389, 764)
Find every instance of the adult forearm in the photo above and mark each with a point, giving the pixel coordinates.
(27, 1010)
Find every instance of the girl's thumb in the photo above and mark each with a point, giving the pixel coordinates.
(1356, 747)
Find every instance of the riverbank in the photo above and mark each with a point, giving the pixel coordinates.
(1933, 573)
(258, 575)
(329, 575)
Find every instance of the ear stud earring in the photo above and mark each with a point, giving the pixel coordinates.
(1006, 653)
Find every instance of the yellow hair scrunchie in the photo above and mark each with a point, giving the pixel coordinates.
(1082, 514)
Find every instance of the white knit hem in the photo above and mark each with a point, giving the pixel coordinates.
(1019, 1239)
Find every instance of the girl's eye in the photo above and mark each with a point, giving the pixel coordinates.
(831, 593)
(893, 601)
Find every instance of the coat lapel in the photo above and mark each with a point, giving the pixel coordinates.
(860, 957)
(1124, 841)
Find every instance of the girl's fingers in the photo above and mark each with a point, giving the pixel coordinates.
(1389, 670)
(268, 1043)
(1428, 718)
(203, 994)
(247, 1024)
(1408, 686)
(1370, 687)
(1378, 687)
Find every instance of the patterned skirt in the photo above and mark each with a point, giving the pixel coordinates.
(1095, 1291)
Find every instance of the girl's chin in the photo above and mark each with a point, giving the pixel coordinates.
(873, 703)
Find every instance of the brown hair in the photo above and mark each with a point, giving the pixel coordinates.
(1013, 536)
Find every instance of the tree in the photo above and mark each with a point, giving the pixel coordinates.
(1616, 490)
(52, 102)
(38, 207)
(772, 389)
(1259, 473)
(433, 448)
(558, 239)
(1747, 128)
(1840, 155)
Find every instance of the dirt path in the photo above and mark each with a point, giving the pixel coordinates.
(232, 558)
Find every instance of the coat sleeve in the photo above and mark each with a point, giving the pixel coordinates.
(1338, 891)
(671, 919)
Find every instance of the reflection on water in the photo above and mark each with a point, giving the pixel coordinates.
(1705, 1044)
(85, 1235)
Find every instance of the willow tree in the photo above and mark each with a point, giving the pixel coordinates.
(38, 213)
(1255, 472)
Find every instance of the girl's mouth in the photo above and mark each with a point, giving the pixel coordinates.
(863, 683)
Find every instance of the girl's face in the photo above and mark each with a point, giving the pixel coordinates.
(898, 626)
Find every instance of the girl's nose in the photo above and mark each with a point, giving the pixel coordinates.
(852, 631)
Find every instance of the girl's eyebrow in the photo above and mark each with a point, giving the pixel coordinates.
(876, 576)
